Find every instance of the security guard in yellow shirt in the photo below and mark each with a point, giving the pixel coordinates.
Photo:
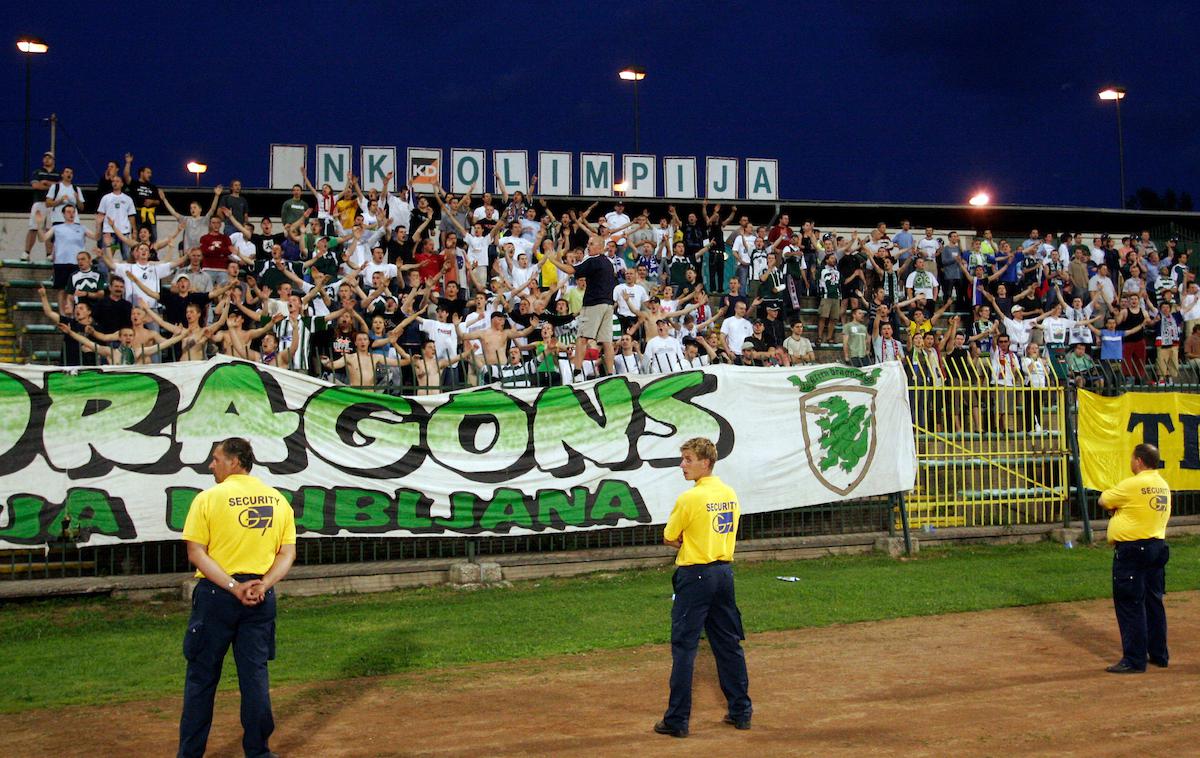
(1138, 530)
(241, 537)
(703, 526)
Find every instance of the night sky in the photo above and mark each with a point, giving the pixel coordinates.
(905, 102)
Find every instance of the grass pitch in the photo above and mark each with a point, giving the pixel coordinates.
(84, 651)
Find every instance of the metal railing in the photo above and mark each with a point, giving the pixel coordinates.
(58, 560)
(992, 443)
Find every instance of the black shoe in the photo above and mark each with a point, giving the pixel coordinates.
(1121, 667)
(1156, 662)
(662, 728)
(745, 724)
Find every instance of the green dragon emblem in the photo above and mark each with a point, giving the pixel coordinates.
(845, 434)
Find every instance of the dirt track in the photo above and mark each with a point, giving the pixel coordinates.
(1020, 681)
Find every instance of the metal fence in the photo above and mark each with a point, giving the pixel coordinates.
(871, 515)
(991, 443)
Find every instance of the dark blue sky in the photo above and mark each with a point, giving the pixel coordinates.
(909, 102)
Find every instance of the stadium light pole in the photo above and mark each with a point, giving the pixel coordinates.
(197, 168)
(1117, 94)
(634, 74)
(29, 46)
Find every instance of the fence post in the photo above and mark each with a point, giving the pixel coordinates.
(897, 499)
(1070, 397)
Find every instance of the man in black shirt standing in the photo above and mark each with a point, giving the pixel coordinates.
(264, 244)
(145, 197)
(596, 315)
(237, 205)
(400, 248)
(755, 350)
(113, 312)
(774, 332)
(80, 321)
(452, 299)
(175, 299)
(41, 181)
(694, 234)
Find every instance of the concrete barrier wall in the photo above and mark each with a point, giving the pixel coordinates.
(14, 225)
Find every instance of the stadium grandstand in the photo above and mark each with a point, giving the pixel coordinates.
(994, 312)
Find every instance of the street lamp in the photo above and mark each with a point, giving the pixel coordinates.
(29, 46)
(634, 74)
(197, 169)
(1117, 94)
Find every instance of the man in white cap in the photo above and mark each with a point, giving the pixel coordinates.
(616, 219)
(1020, 328)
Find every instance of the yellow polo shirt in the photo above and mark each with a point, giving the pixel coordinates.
(243, 522)
(1143, 507)
(707, 517)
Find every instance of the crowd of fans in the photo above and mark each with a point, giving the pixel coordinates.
(368, 286)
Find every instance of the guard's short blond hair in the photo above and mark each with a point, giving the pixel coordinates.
(702, 448)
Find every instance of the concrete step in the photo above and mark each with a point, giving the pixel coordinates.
(26, 283)
(34, 305)
(17, 263)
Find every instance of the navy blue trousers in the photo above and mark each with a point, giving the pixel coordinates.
(218, 620)
(1139, 583)
(704, 601)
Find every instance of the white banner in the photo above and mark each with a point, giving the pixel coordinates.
(124, 450)
(596, 174)
(512, 170)
(762, 179)
(468, 171)
(286, 163)
(376, 163)
(424, 169)
(334, 164)
(554, 173)
(679, 178)
(721, 179)
(640, 176)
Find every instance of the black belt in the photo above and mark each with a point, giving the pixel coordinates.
(714, 563)
(1139, 542)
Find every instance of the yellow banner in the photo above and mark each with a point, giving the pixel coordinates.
(1110, 427)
